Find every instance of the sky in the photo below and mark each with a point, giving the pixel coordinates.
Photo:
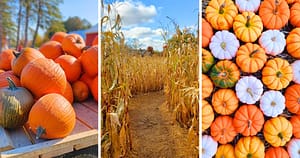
(144, 20)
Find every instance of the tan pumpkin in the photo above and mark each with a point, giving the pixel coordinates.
(225, 151)
(249, 147)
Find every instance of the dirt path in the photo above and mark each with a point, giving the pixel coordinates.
(154, 132)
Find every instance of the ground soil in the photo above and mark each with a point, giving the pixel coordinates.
(154, 131)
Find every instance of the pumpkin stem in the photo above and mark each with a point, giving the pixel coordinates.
(203, 151)
(16, 54)
(299, 151)
(223, 45)
(221, 10)
(273, 103)
(223, 74)
(39, 132)
(279, 74)
(254, 52)
(298, 100)
(273, 38)
(248, 21)
(276, 6)
(11, 84)
(249, 155)
(280, 135)
(249, 123)
(249, 90)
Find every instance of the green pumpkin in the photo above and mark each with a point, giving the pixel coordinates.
(15, 105)
(225, 74)
(207, 60)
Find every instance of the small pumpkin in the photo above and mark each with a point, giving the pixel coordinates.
(89, 61)
(272, 41)
(247, 26)
(207, 115)
(224, 101)
(222, 129)
(292, 97)
(51, 49)
(296, 71)
(293, 43)
(220, 14)
(225, 151)
(94, 88)
(71, 67)
(293, 148)
(274, 13)
(248, 120)
(250, 147)
(207, 33)
(58, 36)
(249, 89)
(58, 117)
(6, 57)
(207, 86)
(295, 121)
(80, 90)
(250, 57)
(10, 74)
(272, 103)
(225, 74)
(73, 44)
(278, 131)
(209, 146)
(276, 152)
(277, 74)
(295, 12)
(245, 5)
(224, 45)
(207, 60)
(15, 104)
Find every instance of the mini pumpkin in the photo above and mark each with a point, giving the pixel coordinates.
(245, 5)
(249, 89)
(225, 151)
(272, 41)
(222, 129)
(247, 26)
(293, 148)
(224, 45)
(295, 12)
(250, 57)
(292, 97)
(248, 120)
(80, 90)
(207, 60)
(250, 147)
(295, 121)
(224, 101)
(277, 74)
(207, 33)
(207, 115)
(272, 103)
(296, 71)
(276, 152)
(278, 131)
(293, 43)
(207, 86)
(10, 74)
(274, 13)
(6, 57)
(209, 146)
(220, 14)
(225, 74)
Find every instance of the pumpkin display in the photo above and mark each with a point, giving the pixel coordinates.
(49, 75)
(296, 71)
(248, 120)
(293, 43)
(58, 36)
(274, 13)
(209, 146)
(245, 5)
(295, 121)
(51, 49)
(295, 12)
(6, 57)
(222, 129)
(15, 104)
(207, 33)
(10, 74)
(292, 97)
(225, 151)
(276, 152)
(247, 26)
(73, 44)
(249, 89)
(272, 41)
(293, 148)
(224, 45)
(225, 74)
(89, 61)
(278, 131)
(277, 74)
(250, 57)
(58, 117)
(80, 90)
(207, 115)
(224, 101)
(207, 60)
(71, 67)
(207, 86)
(250, 147)
(272, 103)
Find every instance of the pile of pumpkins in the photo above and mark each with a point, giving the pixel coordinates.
(251, 79)
(39, 86)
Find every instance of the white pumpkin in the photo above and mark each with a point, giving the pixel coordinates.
(296, 71)
(209, 146)
(272, 41)
(224, 45)
(293, 148)
(272, 103)
(247, 5)
(249, 89)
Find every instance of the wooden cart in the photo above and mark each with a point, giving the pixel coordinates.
(22, 143)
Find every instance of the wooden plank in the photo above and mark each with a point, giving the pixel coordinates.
(86, 116)
(19, 137)
(57, 152)
(91, 104)
(79, 127)
(52, 145)
(5, 143)
(85, 144)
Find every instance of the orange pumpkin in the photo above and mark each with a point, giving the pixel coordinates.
(73, 44)
(10, 74)
(225, 151)
(6, 57)
(89, 61)
(68, 93)
(58, 36)
(222, 129)
(292, 99)
(224, 101)
(207, 115)
(94, 88)
(295, 121)
(295, 12)
(293, 43)
(71, 66)
(207, 86)
(80, 90)
(51, 49)
(86, 79)
(51, 117)
(276, 152)
(207, 33)
(274, 13)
